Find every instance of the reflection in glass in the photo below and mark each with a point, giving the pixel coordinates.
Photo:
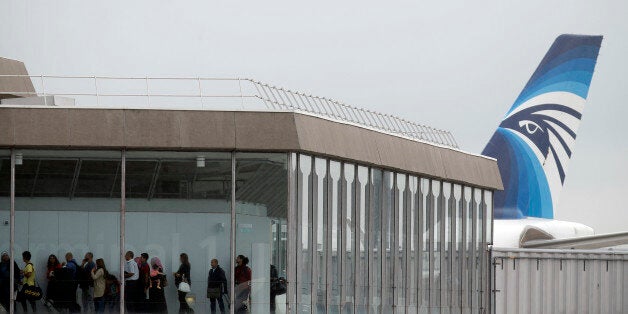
(304, 234)
(362, 235)
(469, 246)
(389, 247)
(458, 245)
(319, 267)
(488, 204)
(424, 222)
(348, 221)
(479, 239)
(56, 215)
(335, 232)
(446, 248)
(5, 201)
(261, 219)
(375, 242)
(179, 203)
(414, 273)
(401, 221)
(436, 219)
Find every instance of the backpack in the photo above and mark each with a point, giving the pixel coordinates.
(83, 278)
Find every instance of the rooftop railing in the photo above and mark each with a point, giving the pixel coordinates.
(214, 94)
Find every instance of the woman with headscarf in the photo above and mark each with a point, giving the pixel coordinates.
(156, 288)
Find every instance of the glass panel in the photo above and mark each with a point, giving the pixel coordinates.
(335, 232)
(458, 245)
(414, 274)
(319, 267)
(389, 247)
(294, 231)
(68, 213)
(488, 204)
(348, 222)
(375, 242)
(478, 250)
(424, 240)
(362, 240)
(5, 212)
(435, 269)
(179, 207)
(469, 245)
(304, 251)
(446, 248)
(401, 218)
(261, 221)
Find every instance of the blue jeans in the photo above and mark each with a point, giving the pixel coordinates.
(99, 305)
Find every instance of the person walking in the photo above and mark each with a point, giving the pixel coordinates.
(99, 275)
(183, 275)
(242, 284)
(216, 286)
(28, 281)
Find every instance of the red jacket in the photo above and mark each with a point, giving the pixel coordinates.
(242, 274)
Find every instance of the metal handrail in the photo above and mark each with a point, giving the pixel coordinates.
(273, 97)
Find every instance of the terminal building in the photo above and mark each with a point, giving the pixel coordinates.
(360, 212)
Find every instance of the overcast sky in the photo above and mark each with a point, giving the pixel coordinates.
(455, 65)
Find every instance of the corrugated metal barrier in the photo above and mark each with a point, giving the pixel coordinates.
(559, 281)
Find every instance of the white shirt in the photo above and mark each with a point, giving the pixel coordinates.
(131, 267)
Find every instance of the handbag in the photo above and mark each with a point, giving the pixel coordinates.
(32, 293)
(214, 293)
(184, 286)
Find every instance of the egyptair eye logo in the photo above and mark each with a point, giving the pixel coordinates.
(530, 126)
(550, 128)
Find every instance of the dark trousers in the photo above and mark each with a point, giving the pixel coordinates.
(183, 305)
(99, 305)
(221, 304)
(130, 293)
(5, 295)
(141, 304)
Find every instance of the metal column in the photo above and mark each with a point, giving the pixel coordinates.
(12, 236)
(122, 226)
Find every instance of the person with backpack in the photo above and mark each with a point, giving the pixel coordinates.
(28, 281)
(85, 281)
(73, 267)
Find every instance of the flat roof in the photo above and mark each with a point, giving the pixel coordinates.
(196, 130)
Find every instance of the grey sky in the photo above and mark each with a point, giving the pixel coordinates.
(456, 65)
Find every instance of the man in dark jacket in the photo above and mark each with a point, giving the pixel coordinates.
(216, 286)
(5, 279)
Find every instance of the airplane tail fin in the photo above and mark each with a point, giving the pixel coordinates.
(534, 142)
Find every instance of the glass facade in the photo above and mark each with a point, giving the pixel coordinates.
(292, 233)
